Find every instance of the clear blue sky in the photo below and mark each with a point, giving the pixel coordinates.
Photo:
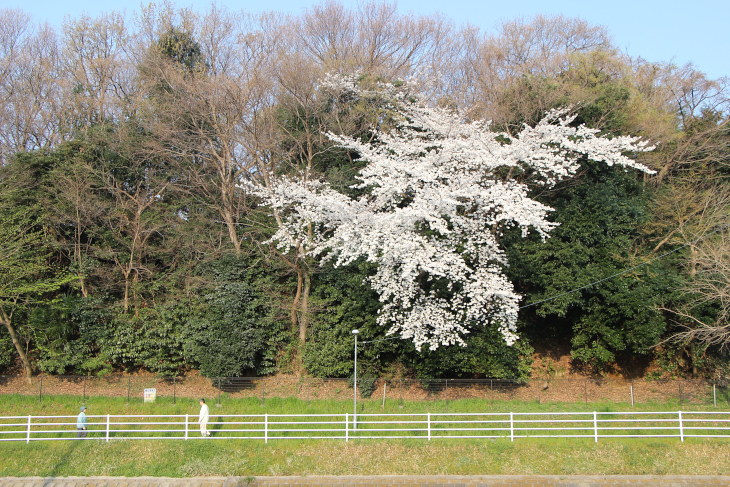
(658, 30)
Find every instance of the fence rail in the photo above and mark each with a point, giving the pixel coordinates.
(427, 426)
(696, 392)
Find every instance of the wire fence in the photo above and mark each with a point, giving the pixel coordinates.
(427, 426)
(695, 392)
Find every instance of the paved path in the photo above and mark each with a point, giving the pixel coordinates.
(377, 481)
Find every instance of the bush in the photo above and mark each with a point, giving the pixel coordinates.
(485, 355)
(229, 338)
(7, 349)
(601, 215)
(153, 340)
(71, 334)
(345, 302)
(365, 384)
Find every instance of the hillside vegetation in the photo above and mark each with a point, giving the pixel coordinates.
(235, 193)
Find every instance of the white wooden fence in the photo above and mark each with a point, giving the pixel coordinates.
(427, 426)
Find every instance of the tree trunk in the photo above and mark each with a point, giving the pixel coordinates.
(126, 292)
(232, 231)
(77, 250)
(8, 322)
(295, 303)
(304, 315)
(126, 273)
(134, 295)
(82, 285)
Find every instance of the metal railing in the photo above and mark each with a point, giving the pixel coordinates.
(714, 393)
(428, 426)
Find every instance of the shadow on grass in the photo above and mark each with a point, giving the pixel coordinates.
(51, 477)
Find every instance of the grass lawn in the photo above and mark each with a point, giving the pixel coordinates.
(179, 458)
(20, 405)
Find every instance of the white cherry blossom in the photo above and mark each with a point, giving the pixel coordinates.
(440, 190)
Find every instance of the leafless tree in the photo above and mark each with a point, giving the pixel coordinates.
(98, 73)
(75, 207)
(207, 118)
(30, 112)
(538, 48)
(710, 285)
(375, 39)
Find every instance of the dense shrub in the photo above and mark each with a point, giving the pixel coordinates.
(153, 339)
(7, 350)
(230, 336)
(344, 302)
(486, 355)
(600, 217)
(73, 336)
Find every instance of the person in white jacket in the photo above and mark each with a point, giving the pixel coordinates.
(203, 418)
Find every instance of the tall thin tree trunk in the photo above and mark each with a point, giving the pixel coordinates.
(8, 322)
(304, 316)
(232, 232)
(126, 290)
(134, 295)
(227, 208)
(295, 303)
(79, 259)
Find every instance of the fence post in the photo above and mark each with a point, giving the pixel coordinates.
(266, 428)
(347, 427)
(186, 426)
(511, 427)
(539, 392)
(595, 427)
(429, 426)
(680, 391)
(219, 391)
(27, 438)
(586, 390)
(681, 427)
(632, 392)
(107, 428)
(174, 389)
(491, 389)
(40, 390)
(129, 386)
(714, 395)
(84, 393)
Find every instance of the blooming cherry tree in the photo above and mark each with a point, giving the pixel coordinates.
(439, 191)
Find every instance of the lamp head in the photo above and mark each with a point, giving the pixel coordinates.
(355, 332)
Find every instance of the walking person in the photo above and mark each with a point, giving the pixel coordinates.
(203, 418)
(81, 430)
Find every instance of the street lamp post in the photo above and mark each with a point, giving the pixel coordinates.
(354, 417)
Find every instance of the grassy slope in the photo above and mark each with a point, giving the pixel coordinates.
(177, 458)
(69, 405)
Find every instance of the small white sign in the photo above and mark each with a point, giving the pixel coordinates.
(150, 395)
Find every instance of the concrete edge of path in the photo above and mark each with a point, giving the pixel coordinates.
(377, 480)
